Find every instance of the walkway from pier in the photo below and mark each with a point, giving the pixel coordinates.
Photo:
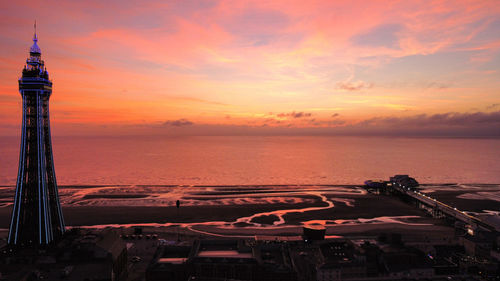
(443, 208)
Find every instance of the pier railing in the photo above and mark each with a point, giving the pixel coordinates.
(442, 207)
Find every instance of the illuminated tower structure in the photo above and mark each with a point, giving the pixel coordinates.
(37, 218)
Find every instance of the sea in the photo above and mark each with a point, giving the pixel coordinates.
(261, 160)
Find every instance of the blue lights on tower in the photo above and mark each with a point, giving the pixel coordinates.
(37, 218)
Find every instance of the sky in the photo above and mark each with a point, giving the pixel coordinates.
(258, 67)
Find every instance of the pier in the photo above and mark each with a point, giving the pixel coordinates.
(437, 208)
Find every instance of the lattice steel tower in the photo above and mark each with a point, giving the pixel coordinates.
(36, 217)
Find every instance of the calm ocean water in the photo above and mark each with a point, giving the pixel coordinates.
(261, 160)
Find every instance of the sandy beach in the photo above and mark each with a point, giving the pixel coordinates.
(247, 210)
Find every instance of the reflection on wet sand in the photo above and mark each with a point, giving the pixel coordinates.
(321, 197)
(240, 210)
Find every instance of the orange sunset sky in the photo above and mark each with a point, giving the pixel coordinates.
(258, 67)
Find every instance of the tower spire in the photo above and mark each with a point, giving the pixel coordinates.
(35, 49)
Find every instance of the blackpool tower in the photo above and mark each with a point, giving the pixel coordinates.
(37, 218)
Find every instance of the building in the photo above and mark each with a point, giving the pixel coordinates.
(403, 181)
(341, 261)
(209, 259)
(275, 262)
(95, 255)
(400, 261)
(78, 256)
(222, 260)
(36, 218)
(229, 259)
(169, 263)
(314, 232)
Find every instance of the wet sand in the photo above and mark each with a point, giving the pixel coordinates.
(418, 229)
(466, 197)
(452, 198)
(244, 210)
(99, 215)
(367, 206)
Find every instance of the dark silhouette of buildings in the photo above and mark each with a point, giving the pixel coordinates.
(81, 255)
(36, 217)
(222, 260)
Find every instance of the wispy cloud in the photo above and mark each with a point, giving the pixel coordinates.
(450, 119)
(493, 106)
(294, 114)
(350, 86)
(437, 85)
(178, 123)
(476, 124)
